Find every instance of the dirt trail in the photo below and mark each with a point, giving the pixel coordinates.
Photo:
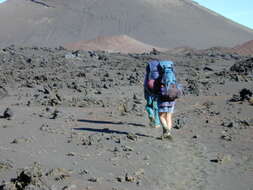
(108, 149)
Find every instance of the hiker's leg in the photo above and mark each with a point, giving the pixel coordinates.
(162, 116)
(149, 107)
(150, 111)
(166, 130)
(157, 118)
(169, 116)
(169, 120)
(156, 114)
(163, 120)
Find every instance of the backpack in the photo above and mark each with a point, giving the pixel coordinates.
(169, 90)
(152, 75)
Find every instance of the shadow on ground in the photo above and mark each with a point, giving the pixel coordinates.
(110, 122)
(110, 131)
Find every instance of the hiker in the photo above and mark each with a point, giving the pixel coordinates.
(167, 90)
(150, 96)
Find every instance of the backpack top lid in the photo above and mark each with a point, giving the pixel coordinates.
(167, 73)
(166, 64)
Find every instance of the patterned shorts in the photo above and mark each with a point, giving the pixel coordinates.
(169, 109)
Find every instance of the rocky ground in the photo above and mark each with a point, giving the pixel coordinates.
(76, 120)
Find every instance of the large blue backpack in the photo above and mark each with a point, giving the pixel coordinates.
(169, 90)
(167, 73)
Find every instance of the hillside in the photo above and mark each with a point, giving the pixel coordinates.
(161, 23)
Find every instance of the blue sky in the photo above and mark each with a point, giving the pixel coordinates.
(2, 1)
(240, 11)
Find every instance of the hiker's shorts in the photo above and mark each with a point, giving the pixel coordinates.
(166, 106)
(168, 109)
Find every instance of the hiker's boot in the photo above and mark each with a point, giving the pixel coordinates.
(166, 133)
(151, 121)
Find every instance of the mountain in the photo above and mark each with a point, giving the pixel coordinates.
(161, 23)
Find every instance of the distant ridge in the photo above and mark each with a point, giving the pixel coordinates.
(162, 23)
(244, 49)
(121, 43)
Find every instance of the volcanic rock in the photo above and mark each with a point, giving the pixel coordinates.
(179, 123)
(59, 173)
(29, 176)
(107, 144)
(244, 67)
(5, 165)
(225, 136)
(245, 94)
(8, 113)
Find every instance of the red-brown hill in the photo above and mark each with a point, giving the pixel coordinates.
(121, 43)
(244, 49)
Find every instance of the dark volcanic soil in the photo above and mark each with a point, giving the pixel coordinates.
(76, 120)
